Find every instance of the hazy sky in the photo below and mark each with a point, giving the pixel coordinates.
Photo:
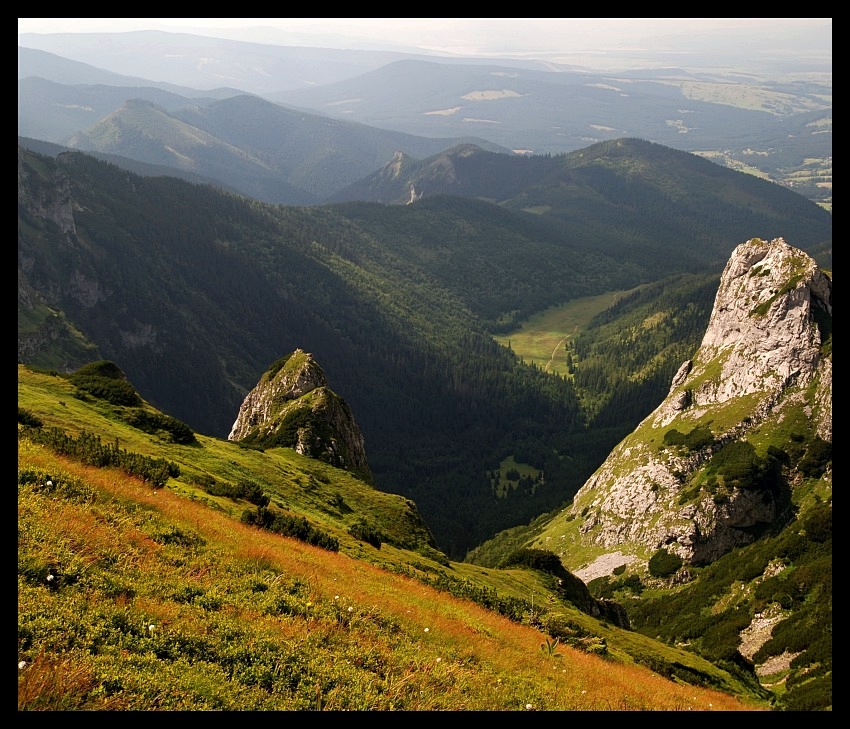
(484, 36)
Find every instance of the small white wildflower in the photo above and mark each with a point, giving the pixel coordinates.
(151, 628)
(440, 659)
(350, 609)
(49, 483)
(22, 665)
(584, 692)
(427, 629)
(50, 578)
(336, 597)
(528, 707)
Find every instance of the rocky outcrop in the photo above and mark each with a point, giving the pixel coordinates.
(761, 367)
(762, 332)
(293, 407)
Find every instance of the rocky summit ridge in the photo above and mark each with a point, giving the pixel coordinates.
(710, 467)
(292, 406)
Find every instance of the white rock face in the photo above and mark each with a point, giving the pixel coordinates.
(762, 344)
(762, 319)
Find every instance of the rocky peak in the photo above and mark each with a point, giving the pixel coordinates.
(396, 165)
(292, 406)
(762, 333)
(760, 376)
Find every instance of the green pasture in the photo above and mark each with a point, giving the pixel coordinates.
(543, 338)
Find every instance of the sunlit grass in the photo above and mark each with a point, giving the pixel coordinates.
(165, 603)
(136, 598)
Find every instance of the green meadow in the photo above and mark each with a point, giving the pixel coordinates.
(543, 339)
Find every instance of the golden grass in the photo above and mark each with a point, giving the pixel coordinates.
(437, 652)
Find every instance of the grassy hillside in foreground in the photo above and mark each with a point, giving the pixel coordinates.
(139, 598)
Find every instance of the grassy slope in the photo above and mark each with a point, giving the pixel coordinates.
(247, 619)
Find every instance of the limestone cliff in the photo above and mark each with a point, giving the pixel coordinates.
(716, 462)
(292, 406)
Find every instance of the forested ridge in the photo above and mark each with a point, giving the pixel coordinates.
(194, 292)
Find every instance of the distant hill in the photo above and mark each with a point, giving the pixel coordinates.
(314, 153)
(125, 163)
(33, 62)
(201, 62)
(54, 111)
(628, 184)
(773, 128)
(242, 143)
(536, 110)
(146, 132)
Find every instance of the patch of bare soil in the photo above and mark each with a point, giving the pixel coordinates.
(603, 565)
(776, 664)
(757, 633)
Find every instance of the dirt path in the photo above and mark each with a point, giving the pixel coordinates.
(554, 351)
(548, 367)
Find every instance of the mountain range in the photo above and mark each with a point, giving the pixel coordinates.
(68, 83)
(588, 390)
(412, 294)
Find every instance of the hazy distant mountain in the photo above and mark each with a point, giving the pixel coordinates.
(143, 131)
(53, 112)
(34, 62)
(535, 110)
(208, 63)
(65, 70)
(261, 149)
(778, 128)
(465, 170)
(131, 165)
(599, 189)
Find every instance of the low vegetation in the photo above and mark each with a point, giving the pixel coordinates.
(138, 597)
